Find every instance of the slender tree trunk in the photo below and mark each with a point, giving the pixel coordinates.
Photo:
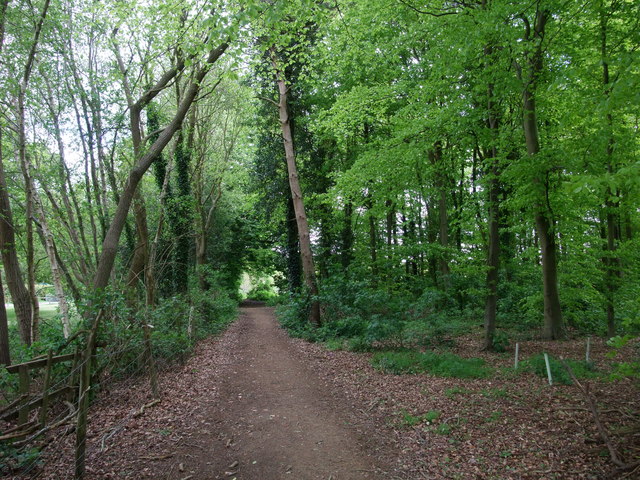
(435, 156)
(110, 244)
(25, 164)
(493, 256)
(141, 252)
(553, 325)
(29, 214)
(56, 274)
(346, 252)
(610, 258)
(294, 260)
(70, 221)
(308, 267)
(5, 354)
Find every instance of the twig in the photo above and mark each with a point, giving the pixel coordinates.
(45, 429)
(148, 405)
(593, 407)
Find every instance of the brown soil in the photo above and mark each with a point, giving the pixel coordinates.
(272, 418)
(254, 404)
(245, 406)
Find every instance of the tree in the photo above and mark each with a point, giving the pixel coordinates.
(306, 254)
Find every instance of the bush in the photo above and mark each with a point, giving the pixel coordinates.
(559, 373)
(440, 365)
(263, 292)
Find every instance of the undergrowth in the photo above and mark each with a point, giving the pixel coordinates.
(438, 364)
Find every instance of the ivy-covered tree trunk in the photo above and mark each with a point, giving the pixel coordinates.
(182, 214)
(110, 244)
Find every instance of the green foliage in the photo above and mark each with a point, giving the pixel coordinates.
(452, 392)
(559, 374)
(628, 368)
(409, 420)
(441, 365)
(262, 291)
(13, 459)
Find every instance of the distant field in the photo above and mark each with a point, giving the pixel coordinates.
(47, 310)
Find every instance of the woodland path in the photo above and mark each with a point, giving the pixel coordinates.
(272, 419)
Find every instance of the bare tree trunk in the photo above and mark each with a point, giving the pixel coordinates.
(308, 267)
(346, 250)
(493, 256)
(5, 354)
(70, 221)
(611, 259)
(553, 325)
(141, 252)
(56, 273)
(25, 163)
(435, 156)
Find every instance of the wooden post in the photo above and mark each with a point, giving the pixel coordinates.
(151, 364)
(73, 377)
(45, 390)
(23, 372)
(83, 400)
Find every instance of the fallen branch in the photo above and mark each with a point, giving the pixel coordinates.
(45, 430)
(20, 431)
(156, 457)
(604, 435)
(148, 405)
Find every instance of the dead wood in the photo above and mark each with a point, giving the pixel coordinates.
(595, 412)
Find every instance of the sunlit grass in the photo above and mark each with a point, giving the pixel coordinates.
(47, 310)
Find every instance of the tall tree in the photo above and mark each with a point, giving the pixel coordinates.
(306, 254)
(529, 74)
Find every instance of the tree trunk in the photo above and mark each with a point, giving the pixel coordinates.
(493, 254)
(308, 267)
(610, 259)
(553, 325)
(346, 253)
(25, 164)
(141, 252)
(435, 156)
(5, 354)
(110, 244)
(294, 260)
(56, 273)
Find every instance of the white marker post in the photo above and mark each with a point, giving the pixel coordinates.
(586, 359)
(515, 363)
(546, 360)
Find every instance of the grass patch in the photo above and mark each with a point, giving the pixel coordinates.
(452, 392)
(494, 393)
(559, 374)
(440, 365)
(409, 420)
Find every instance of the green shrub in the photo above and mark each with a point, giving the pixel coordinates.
(263, 291)
(559, 374)
(441, 365)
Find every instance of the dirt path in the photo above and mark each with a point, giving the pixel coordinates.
(272, 418)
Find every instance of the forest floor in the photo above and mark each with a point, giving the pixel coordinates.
(254, 404)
